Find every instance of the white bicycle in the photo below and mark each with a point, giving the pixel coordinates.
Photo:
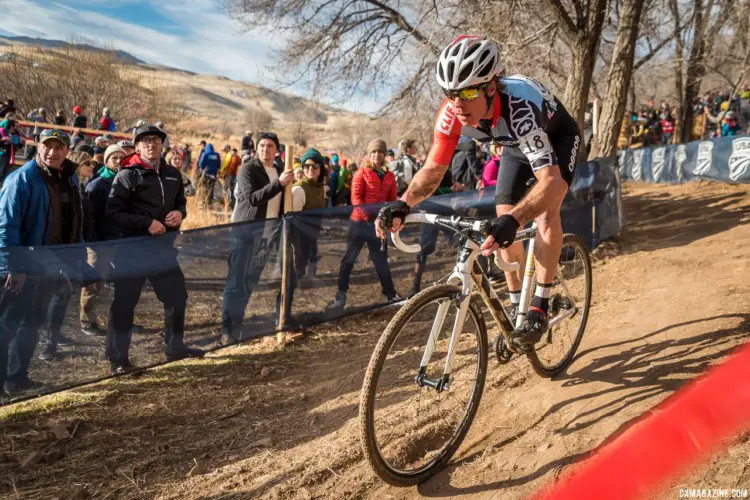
(424, 381)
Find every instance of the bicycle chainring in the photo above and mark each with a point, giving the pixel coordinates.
(502, 353)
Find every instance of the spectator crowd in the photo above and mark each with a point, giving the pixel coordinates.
(78, 190)
(725, 116)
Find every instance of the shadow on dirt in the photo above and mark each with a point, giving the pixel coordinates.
(657, 221)
(643, 370)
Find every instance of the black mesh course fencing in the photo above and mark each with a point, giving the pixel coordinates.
(233, 278)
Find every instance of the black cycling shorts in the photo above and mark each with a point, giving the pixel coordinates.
(515, 170)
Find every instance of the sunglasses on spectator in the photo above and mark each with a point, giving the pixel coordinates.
(310, 165)
(466, 95)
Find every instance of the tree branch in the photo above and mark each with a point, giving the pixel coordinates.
(569, 29)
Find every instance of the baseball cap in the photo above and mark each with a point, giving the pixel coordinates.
(54, 134)
(145, 130)
(126, 144)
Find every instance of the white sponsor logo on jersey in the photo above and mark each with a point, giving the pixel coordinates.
(522, 120)
(574, 154)
(704, 159)
(739, 160)
(657, 163)
(637, 172)
(446, 120)
(680, 157)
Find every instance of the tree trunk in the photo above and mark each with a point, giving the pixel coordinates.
(620, 73)
(695, 71)
(704, 36)
(584, 48)
(678, 63)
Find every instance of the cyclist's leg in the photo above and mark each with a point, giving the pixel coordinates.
(512, 177)
(549, 224)
(548, 244)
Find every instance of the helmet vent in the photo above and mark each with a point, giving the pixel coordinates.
(465, 73)
(471, 50)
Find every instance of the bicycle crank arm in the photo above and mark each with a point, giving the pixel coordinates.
(563, 315)
(439, 385)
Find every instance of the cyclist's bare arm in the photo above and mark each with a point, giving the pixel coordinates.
(422, 186)
(425, 183)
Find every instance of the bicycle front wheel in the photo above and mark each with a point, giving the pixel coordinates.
(410, 431)
(569, 308)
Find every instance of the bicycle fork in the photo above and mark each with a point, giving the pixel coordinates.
(463, 300)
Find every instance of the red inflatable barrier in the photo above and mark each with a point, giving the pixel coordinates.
(668, 439)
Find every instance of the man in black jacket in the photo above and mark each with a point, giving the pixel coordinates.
(260, 188)
(147, 198)
(248, 146)
(466, 168)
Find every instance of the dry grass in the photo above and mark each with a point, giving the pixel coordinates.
(200, 216)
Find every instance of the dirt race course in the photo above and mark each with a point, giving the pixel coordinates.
(671, 297)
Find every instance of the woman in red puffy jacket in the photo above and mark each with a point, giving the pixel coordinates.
(667, 128)
(371, 185)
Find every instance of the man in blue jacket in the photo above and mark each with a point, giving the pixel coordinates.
(209, 165)
(40, 204)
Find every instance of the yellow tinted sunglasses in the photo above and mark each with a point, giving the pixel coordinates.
(467, 94)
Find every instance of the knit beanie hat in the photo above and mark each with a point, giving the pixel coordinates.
(114, 148)
(271, 136)
(377, 145)
(314, 155)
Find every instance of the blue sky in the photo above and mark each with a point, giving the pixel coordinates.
(195, 35)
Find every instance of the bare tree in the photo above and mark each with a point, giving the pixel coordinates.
(581, 29)
(300, 133)
(344, 47)
(709, 17)
(258, 119)
(620, 69)
(62, 78)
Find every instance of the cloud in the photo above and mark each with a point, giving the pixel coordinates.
(198, 38)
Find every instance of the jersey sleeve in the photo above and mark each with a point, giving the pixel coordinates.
(446, 134)
(537, 148)
(528, 124)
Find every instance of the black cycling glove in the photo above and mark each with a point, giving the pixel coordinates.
(393, 210)
(503, 229)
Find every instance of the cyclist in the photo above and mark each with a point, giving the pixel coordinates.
(540, 140)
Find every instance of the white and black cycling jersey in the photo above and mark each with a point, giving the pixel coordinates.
(528, 117)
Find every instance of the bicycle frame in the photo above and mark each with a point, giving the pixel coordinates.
(471, 279)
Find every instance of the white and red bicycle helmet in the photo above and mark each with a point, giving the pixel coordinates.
(468, 61)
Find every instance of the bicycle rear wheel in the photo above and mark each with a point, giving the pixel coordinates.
(572, 294)
(409, 432)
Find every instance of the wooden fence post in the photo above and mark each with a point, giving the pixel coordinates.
(286, 253)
